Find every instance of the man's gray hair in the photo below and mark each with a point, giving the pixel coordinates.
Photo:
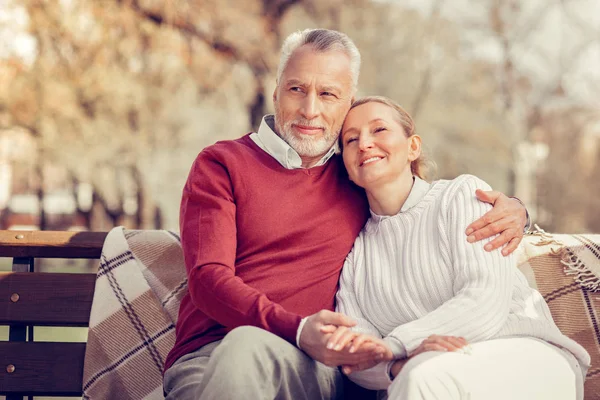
(322, 40)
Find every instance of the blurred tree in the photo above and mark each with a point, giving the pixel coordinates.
(124, 94)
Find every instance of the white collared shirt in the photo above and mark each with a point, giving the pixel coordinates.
(276, 147)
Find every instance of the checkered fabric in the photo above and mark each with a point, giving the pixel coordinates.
(140, 282)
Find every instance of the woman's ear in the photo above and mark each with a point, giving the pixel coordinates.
(414, 147)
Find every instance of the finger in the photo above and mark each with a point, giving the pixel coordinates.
(512, 246)
(345, 339)
(500, 240)
(328, 328)
(443, 341)
(327, 317)
(455, 342)
(335, 337)
(344, 358)
(493, 228)
(358, 342)
(365, 348)
(435, 347)
(487, 196)
(483, 222)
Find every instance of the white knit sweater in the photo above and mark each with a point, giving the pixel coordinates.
(414, 274)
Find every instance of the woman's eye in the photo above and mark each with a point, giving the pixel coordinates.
(328, 94)
(350, 140)
(379, 129)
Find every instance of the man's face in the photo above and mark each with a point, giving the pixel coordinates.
(312, 99)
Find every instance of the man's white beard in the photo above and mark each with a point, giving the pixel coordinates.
(305, 145)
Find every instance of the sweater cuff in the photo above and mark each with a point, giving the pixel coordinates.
(299, 332)
(396, 346)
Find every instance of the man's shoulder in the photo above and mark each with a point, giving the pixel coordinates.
(228, 151)
(240, 144)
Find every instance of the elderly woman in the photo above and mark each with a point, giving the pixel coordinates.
(461, 323)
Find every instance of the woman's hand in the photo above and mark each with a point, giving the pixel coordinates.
(432, 343)
(440, 343)
(344, 339)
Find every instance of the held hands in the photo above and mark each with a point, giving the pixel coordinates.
(315, 336)
(345, 341)
(508, 218)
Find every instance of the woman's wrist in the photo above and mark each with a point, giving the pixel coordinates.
(395, 367)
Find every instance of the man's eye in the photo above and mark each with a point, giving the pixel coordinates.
(328, 94)
(295, 89)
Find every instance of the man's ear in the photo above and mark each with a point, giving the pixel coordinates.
(414, 147)
(275, 94)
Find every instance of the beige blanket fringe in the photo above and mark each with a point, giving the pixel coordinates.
(573, 265)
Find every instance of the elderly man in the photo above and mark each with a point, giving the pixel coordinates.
(266, 223)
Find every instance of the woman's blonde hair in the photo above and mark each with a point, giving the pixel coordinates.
(420, 166)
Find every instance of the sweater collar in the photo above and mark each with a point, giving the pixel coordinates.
(417, 192)
(276, 147)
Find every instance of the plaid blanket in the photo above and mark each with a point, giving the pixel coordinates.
(565, 269)
(140, 282)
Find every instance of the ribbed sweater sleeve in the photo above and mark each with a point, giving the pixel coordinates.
(377, 377)
(482, 283)
(209, 239)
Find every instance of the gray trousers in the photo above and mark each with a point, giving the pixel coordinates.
(251, 363)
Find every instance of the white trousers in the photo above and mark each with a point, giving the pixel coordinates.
(508, 368)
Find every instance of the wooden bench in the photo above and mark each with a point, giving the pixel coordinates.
(29, 298)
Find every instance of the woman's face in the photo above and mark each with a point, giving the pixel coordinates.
(375, 147)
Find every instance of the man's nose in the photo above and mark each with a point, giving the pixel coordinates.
(310, 107)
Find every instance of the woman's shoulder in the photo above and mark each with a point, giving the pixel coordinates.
(465, 183)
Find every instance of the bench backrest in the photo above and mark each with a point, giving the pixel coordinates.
(29, 298)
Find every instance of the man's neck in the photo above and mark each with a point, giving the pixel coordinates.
(309, 162)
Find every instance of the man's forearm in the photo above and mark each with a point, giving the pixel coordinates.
(224, 297)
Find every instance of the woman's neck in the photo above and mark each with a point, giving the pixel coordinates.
(388, 198)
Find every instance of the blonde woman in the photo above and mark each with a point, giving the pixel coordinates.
(461, 322)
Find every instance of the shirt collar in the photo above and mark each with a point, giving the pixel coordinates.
(276, 147)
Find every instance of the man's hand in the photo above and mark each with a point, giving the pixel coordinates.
(315, 335)
(342, 339)
(508, 218)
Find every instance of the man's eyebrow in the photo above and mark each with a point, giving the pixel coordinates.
(330, 88)
(294, 82)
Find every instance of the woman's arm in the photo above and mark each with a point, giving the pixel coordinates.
(482, 280)
(377, 377)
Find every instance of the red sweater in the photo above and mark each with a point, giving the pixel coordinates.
(263, 245)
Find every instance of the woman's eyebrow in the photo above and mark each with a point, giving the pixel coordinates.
(349, 130)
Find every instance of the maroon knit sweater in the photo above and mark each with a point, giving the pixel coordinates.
(263, 245)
